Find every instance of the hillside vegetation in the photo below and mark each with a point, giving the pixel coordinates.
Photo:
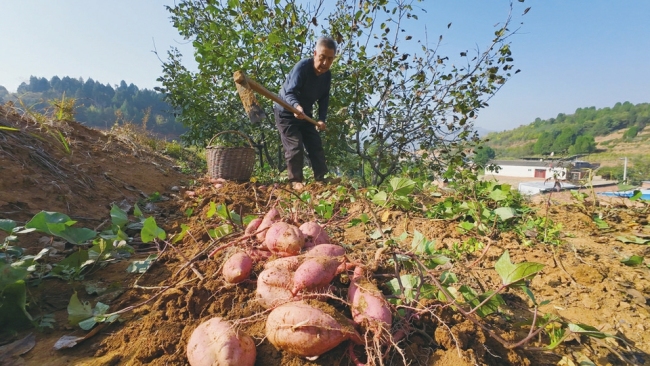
(606, 136)
(98, 105)
(571, 134)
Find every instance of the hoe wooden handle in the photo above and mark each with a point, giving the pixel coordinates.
(246, 82)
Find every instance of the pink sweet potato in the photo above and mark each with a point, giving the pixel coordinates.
(271, 217)
(274, 283)
(258, 255)
(308, 329)
(369, 307)
(314, 274)
(253, 226)
(328, 250)
(215, 342)
(237, 268)
(314, 234)
(284, 239)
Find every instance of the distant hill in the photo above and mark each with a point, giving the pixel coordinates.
(576, 133)
(99, 105)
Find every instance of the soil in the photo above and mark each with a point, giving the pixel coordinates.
(583, 278)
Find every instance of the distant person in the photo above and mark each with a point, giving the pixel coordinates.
(308, 82)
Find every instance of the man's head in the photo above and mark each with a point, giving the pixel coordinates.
(324, 54)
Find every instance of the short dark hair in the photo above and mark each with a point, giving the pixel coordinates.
(328, 42)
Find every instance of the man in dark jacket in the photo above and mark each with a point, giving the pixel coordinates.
(308, 82)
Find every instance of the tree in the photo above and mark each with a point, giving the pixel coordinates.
(483, 155)
(564, 140)
(391, 95)
(631, 133)
(584, 144)
(544, 143)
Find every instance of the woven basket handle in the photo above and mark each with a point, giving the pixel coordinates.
(231, 131)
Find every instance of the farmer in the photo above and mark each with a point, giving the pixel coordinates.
(308, 82)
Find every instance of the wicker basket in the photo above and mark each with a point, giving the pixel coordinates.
(232, 163)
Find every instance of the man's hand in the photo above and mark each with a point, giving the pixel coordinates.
(300, 115)
(321, 126)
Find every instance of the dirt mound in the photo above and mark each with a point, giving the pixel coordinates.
(583, 278)
(66, 167)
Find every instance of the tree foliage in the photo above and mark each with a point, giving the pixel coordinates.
(483, 155)
(101, 105)
(584, 124)
(392, 94)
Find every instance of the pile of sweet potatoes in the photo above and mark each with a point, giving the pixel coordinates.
(296, 265)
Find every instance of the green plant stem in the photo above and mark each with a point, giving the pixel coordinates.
(506, 344)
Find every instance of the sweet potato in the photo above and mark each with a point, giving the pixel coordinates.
(328, 250)
(275, 281)
(271, 217)
(215, 342)
(315, 273)
(314, 234)
(369, 307)
(258, 255)
(284, 239)
(308, 329)
(237, 268)
(253, 226)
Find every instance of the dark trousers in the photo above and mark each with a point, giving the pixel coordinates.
(297, 134)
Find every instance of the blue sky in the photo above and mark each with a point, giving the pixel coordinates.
(572, 54)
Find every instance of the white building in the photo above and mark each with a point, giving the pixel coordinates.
(529, 169)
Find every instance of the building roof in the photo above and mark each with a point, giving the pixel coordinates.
(546, 164)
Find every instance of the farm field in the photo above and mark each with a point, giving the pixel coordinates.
(588, 262)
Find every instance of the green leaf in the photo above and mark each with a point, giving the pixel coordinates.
(499, 195)
(151, 231)
(118, 216)
(512, 273)
(247, 219)
(10, 274)
(75, 261)
(100, 309)
(220, 231)
(634, 260)
(211, 211)
(222, 212)
(475, 300)
(143, 265)
(421, 245)
(7, 225)
(78, 311)
(58, 224)
(587, 330)
(136, 211)
(636, 195)
(633, 240)
(447, 278)
(402, 186)
(428, 291)
(505, 213)
(410, 283)
(87, 324)
(600, 223)
(181, 235)
(380, 199)
(13, 300)
(435, 261)
(466, 225)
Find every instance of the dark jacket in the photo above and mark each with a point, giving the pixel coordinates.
(304, 87)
